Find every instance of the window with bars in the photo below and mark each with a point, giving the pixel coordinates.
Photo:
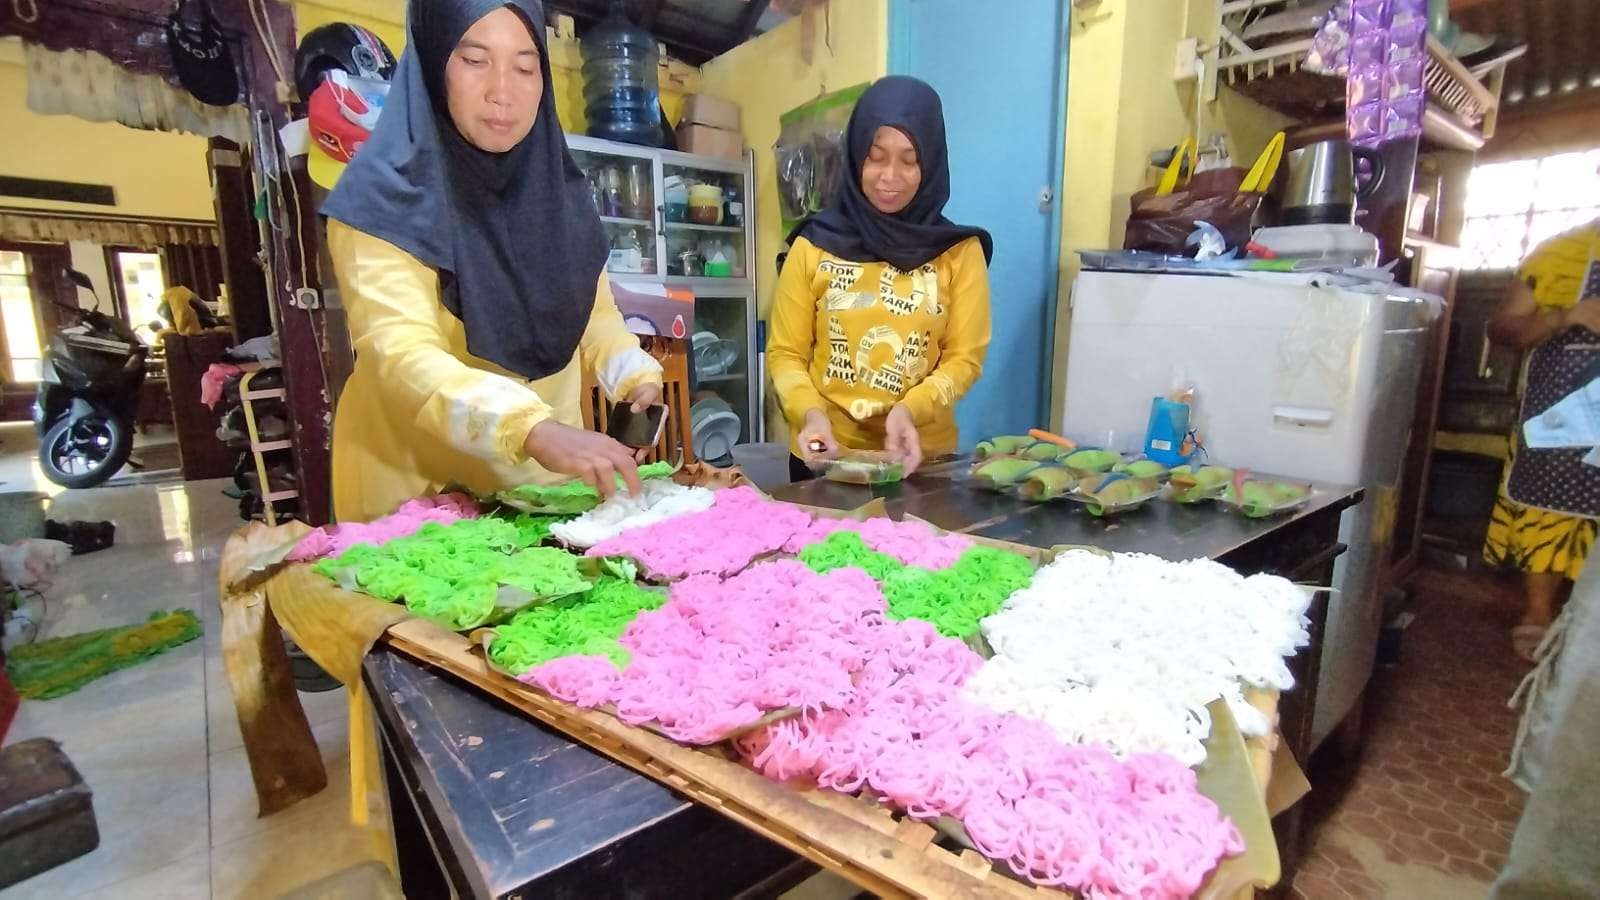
(1512, 206)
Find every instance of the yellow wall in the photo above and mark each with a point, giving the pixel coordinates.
(154, 173)
(384, 18)
(1122, 104)
(767, 77)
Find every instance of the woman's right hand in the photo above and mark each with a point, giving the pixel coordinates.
(589, 455)
(816, 437)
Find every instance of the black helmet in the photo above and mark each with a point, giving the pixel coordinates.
(339, 45)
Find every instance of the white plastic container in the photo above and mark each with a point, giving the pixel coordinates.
(1336, 243)
(1294, 380)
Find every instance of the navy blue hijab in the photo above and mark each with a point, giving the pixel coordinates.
(514, 236)
(852, 228)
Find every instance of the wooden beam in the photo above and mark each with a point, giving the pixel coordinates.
(753, 10)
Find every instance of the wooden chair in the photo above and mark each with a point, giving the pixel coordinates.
(677, 439)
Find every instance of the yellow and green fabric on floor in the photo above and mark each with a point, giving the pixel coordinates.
(60, 666)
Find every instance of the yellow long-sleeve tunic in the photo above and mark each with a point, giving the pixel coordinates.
(853, 339)
(420, 412)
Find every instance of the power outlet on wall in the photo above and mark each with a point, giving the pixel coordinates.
(1186, 65)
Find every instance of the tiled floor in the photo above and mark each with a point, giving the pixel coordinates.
(19, 463)
(159, 743)
(1426, 814)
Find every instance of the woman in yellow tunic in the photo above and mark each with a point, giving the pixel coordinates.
(880, 320)
(1544, 520)
(469, 257)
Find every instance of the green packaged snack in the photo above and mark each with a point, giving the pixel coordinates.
(1142, 468)
(1190, 484)
(1258, 498)
(1003, 472)
(1005, 445)
(1105, 495)
(1091, 461)
(1048, 483)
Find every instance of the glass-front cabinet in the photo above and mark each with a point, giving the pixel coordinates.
(688, 221)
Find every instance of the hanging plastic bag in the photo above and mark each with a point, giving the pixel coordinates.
(811, 155)
(1161, 219)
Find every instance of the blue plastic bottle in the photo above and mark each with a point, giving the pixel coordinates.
(621, 90)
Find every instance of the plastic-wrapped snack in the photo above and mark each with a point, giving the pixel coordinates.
(1191, 484)
(1090, 461)
(861, 467)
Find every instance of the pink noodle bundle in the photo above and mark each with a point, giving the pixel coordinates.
(719, 655)
(585, 681)
(332, 540)
(910, 543)
(740, 527)
(1058, 815)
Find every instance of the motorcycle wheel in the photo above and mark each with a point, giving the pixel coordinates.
(85, 451)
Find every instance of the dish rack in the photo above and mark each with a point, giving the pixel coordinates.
(259, 449)
(1463, 106)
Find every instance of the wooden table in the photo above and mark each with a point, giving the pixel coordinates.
(489, 803)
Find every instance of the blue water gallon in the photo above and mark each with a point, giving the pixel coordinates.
(621, 91)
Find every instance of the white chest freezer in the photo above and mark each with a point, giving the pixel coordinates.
(1293, 379)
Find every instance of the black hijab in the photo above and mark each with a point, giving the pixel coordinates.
(514, 236)
(852, 228)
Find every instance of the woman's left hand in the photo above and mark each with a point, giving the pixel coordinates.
(644, 396)
(901, 439)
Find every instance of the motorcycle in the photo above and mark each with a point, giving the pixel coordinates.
(89, 386)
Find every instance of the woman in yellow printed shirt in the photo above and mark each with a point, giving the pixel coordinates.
(1544, 520)
(469, 257)
(880, 320)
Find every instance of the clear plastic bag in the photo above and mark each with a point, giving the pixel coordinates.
(811, 155)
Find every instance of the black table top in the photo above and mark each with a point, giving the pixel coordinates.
(941, 495)
(517, 809)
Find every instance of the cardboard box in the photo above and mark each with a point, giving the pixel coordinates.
(709, 141)
(704, 109)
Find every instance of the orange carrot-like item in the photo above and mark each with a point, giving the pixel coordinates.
(1039, 434)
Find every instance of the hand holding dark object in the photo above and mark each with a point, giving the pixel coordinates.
(588, 455)
(901, 438)
(644, 396)
(816, 437)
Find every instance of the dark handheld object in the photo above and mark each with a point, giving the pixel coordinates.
(637, 430)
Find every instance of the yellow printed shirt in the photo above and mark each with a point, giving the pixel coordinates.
(854, 338)
(420, 412)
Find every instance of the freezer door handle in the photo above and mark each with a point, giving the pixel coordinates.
(1302, 416)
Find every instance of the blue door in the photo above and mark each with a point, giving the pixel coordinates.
(1000, 69)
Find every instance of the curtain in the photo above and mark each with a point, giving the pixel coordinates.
(33, 227)
(88, 85)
